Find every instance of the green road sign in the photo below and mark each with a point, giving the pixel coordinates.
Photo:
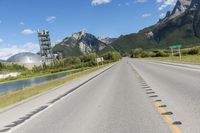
(175, 46)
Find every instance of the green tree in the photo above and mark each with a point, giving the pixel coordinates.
(137, 53)
(112, 56)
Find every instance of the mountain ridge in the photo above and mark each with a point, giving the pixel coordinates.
(177, 27)
(81, 43)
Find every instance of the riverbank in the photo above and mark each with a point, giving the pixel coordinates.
(14, 74)
(13, 97)
(191, 59)
(14, 79)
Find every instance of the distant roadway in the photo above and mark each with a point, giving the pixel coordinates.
(133, 96)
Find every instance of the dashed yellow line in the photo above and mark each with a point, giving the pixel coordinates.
(167, 118)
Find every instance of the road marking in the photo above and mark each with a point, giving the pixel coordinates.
(167, 118)
(161, 108)
(15, 125)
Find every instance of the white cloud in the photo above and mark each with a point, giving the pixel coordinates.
(51, 19)
(99, 2)
(56, 42)
(165, 3)
(140, 1)
(22, 23)
(146, 15)
(1, 40)
(162, 15)
(84, 30)
(7, 52)
(31, 47)
(28, 32)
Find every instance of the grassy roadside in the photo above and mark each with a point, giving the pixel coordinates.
(192, 59)
(13, 97)
(41, 75)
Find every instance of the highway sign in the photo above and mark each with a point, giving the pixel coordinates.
(100, 60)
(176, 46)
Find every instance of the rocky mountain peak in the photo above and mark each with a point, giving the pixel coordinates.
(81, 42)
(79, 35)
(195, 5)
(180, 7)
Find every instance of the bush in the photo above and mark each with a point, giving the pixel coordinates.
(136, 53)
(112, 56)
(145, 54)
(193, 51)
(161, 53)
(184, 52)
(9, 67)
(152, 54)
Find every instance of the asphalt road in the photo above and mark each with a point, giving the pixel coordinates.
(114, 102)
(178, 86)
(134, 96)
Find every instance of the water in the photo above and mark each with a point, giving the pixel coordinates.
(29, 82)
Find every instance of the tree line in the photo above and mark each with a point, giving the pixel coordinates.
(10, 67)
(88, 60)
(140, 53)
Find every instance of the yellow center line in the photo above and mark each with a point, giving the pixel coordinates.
(167, 118)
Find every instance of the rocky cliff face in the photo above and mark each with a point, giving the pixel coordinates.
(79, 43)
(180, 7)
(185, 17)
(195, 5)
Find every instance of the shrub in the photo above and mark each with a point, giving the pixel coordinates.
(136, 53)
(112, 56)
(161, 53)
(152, 54)
(193, 51)
(145, 54)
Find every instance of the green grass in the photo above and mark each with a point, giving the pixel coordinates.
(13, 97)
(19, 78)
(194, 59)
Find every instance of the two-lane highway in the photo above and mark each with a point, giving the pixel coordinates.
(114, 102)
(133, 96)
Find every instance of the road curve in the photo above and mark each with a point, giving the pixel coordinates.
(114, 102)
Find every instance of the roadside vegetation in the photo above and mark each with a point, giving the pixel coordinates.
(67, 64)
(86, 63)
(189, 55)
(20, 94)
(10, 67)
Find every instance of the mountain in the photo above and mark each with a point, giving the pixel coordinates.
(180, 7)
(80, 43)
(2, 60)
(106, 40)
(182, 26)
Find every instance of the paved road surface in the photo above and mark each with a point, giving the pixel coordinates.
(123, 100)
(179, 88)
(114, 102)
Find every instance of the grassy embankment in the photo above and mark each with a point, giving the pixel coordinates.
(31, 76)
(189, 55)
(192, 59)
(13, 97)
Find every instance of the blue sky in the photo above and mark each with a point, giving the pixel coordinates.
(20, 19)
